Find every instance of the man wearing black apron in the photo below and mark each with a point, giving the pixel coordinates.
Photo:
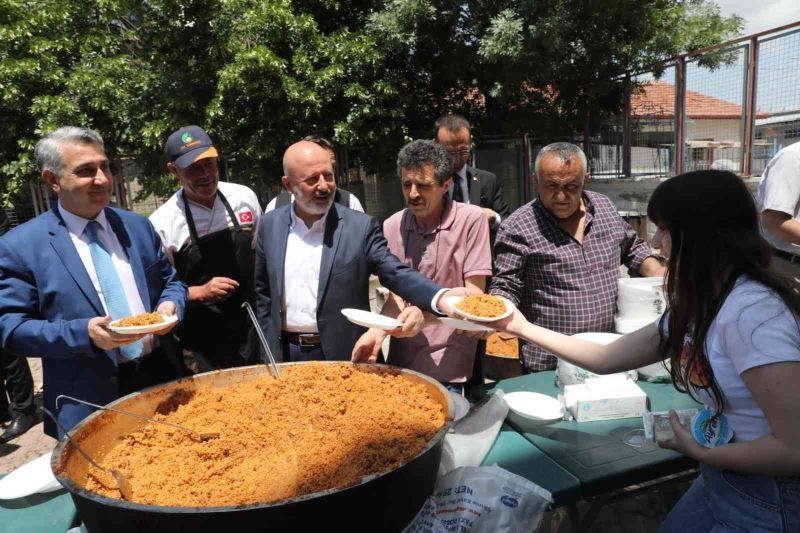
(208, 229)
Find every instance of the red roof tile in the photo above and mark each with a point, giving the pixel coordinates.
(657, 100)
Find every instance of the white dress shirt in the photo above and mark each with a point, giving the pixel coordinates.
(301, 274)
(76, 226)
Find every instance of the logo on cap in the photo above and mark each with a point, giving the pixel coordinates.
(186, 137)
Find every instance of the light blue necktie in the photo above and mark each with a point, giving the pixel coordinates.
(113, 292)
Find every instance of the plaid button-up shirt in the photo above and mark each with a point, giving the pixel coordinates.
(557, 282)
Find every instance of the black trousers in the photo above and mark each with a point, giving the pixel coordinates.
(295, 353)
(16, 381)
(476, 388)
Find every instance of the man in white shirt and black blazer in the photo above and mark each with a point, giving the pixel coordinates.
(314, 258)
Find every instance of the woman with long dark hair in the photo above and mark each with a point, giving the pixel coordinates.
(732, 337)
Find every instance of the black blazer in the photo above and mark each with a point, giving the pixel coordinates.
(353, 248)
(485, 191)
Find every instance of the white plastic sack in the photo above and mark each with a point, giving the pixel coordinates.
(656, 372)
(569, 374)
(623, 325)
(471, 439)
(474, 499)
(640, 297)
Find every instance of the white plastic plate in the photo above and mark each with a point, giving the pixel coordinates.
(135, 330)
(370, 320)
(30, 478)
(533, 408)
(457, 323)
(453, 300)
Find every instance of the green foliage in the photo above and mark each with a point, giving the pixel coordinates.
(504, 37)
(259, 74)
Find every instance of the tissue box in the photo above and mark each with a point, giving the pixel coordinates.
(605, 398)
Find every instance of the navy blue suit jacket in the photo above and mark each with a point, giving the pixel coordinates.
(47, 299)
(353, 248)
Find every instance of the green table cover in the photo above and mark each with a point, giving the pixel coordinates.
(596, 452)
(52, 512)
(518, 455)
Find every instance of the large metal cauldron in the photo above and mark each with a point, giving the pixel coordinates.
(385, 502)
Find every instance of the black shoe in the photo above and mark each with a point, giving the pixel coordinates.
(19, 425)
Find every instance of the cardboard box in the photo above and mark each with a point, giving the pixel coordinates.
(605, 398)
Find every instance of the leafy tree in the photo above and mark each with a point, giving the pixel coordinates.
(545, 64)
(259, 74)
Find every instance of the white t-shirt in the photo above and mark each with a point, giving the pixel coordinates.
(753, 328)
(170, 219)
(780, 190)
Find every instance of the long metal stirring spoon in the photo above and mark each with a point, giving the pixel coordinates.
(202, 436)
(123, 484)
(263, 339)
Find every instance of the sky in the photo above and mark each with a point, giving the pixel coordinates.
(778, 78)
(760, 15)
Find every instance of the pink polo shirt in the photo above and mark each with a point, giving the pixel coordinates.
(456, 249)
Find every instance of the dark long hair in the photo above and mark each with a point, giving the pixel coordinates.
(713, 223)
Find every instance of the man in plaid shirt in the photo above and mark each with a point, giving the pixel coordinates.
(557, 258)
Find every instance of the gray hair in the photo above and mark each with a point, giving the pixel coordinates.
(417, 154)
(566, 152)
(48, 149)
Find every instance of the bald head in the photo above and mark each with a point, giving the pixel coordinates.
(308, 174)
(302, 154)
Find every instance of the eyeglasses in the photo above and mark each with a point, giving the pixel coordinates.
(460, 151)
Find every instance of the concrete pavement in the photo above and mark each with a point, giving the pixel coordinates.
(33, 443)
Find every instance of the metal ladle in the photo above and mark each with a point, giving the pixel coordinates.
(123, 485)
(263, 339)
(202, 436)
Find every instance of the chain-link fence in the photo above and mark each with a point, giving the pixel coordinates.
(729, 107)
(777, 97)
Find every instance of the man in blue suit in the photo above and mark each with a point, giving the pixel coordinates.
(314, 258)
(65, 275)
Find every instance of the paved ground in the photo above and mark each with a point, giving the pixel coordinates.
(33, 443)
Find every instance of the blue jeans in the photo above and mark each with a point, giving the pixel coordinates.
(726, 501)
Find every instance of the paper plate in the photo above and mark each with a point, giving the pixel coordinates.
(457, 323)
(453, 300)
(370, 320)
(134, 330)
(30, 478)
(461, 405)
